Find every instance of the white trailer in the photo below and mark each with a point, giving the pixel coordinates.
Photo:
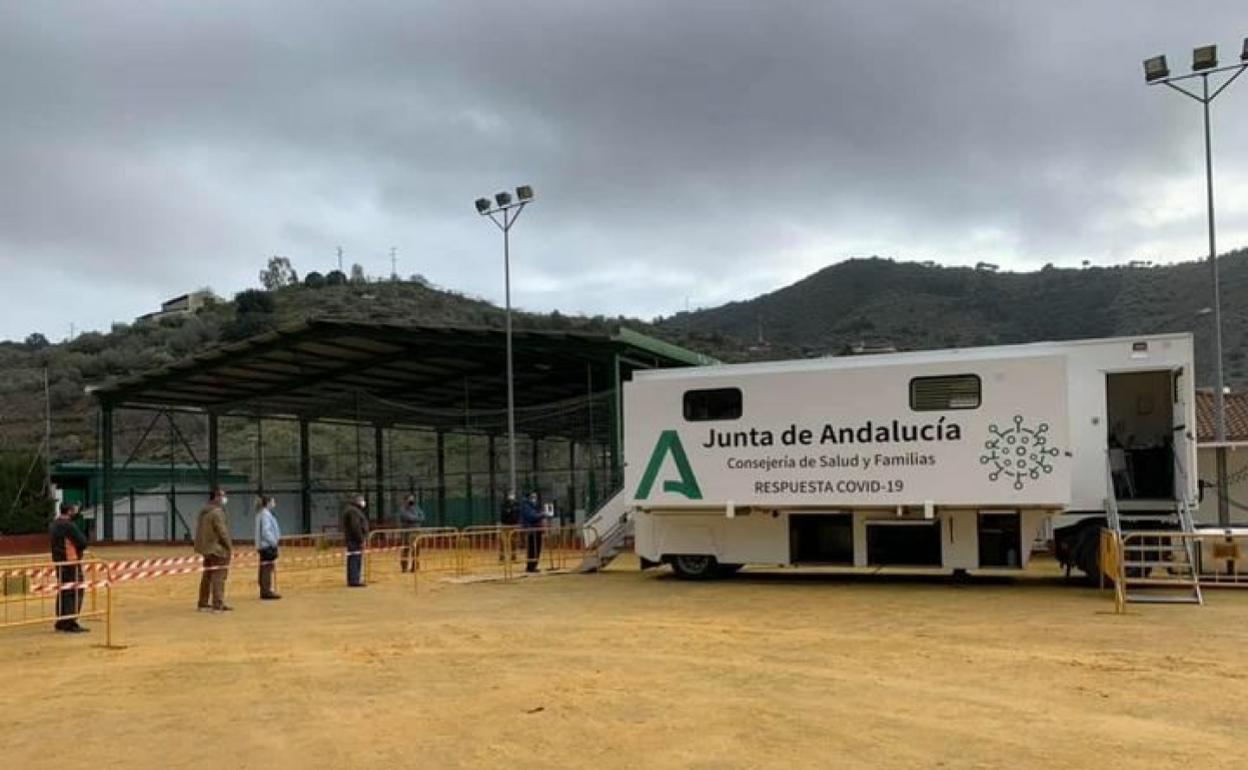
(946, 460)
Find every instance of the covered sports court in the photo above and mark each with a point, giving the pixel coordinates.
(329, 407)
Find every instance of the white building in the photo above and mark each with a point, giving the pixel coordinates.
(1236, 457)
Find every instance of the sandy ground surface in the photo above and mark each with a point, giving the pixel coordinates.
(628, 670)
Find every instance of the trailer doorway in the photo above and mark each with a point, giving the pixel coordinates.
(1140, 407)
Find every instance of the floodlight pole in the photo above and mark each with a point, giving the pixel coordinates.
(1219, 401)
(510, 213)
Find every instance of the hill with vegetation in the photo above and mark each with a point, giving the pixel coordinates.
(878, 304)
(861, 304)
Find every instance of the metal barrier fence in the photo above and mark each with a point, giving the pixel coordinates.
(48, 592)
(1111, 562)
(1219, 560)
(497, 551)
(395, 547)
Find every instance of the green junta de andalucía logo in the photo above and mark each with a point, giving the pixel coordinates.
(687, 484)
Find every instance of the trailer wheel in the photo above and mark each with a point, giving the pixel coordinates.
(695, 567)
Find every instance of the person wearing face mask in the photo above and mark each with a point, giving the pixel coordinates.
(212, 541)
(68, 546)
(355, 534)
(267, 534)
(532, 520)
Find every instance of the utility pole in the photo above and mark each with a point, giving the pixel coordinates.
(47, 433)
(340, 259)
(1204, 64)
(394, 264)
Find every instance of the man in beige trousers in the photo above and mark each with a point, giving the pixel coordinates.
(212, 541)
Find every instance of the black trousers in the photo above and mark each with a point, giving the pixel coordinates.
(68, 600)
(268, 566)
(533, 546)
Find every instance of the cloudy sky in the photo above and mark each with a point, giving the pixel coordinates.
(694, 151)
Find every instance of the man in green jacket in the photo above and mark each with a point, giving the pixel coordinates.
(212, 541)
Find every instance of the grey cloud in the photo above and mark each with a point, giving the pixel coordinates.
(707, 150)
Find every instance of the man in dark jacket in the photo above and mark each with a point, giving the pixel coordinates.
(508, 516)
(355, 535)
(532, 521)
(68, 547)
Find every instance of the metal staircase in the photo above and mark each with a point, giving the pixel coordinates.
(1157, 565)
(607, 532)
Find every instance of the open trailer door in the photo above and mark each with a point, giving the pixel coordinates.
(1184, 436)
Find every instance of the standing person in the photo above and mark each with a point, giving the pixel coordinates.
(355, 534)
(532, 520)
(212, 541)
(68, 546)
(268, 533)
(508, 516)
(412, 516)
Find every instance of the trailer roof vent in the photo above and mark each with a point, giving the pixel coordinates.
(954, 391)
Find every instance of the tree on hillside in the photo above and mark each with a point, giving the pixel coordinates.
(253, 314)
(314, 280)
(36, 341)
(278, 274)
(25, 506)
(336, 278)
(357, 274)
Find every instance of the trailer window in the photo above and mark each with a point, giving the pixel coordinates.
(934, 394)
(716, 404)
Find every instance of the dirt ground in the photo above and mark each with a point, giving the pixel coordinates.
(628, 670)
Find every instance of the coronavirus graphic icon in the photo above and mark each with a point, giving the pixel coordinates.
(1018, 452)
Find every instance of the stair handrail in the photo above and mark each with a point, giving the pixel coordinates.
(588, 526)
(1111, 496)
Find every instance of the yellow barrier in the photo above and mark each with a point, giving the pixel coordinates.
(498, 550)
(396, 540)
(1111, 561)
(46, 592)
(436, 552)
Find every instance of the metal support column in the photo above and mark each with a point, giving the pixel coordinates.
(535, 482)
(441, 449)
(493, 470)
(379, 469)
(572, 477)
(305, 477)
(106, 431)
(214, 451)
(617, 425)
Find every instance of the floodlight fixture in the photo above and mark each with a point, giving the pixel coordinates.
(1155, 69)
(1243, 55)
(503, 213)
(1204, 58)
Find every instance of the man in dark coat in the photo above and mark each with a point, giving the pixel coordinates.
(532, 521)
(68, 547)
(355, 535)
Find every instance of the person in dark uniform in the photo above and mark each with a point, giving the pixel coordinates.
(68, 546)
(508, 516)
(532, 521)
